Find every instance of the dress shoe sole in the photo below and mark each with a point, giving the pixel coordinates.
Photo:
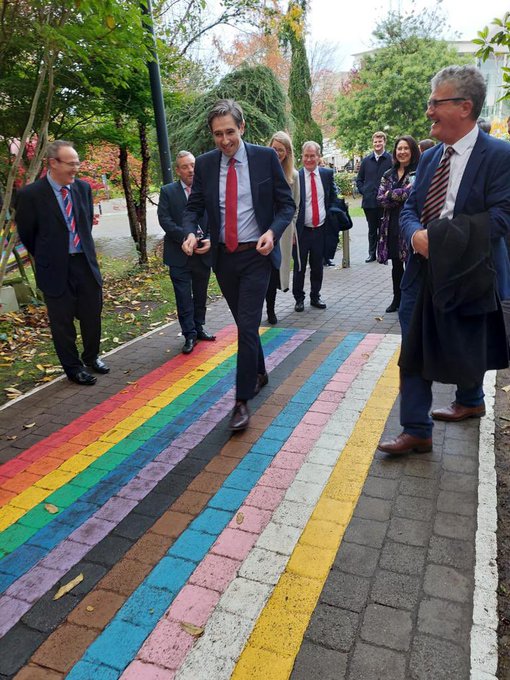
(425, 448)
(457, 419)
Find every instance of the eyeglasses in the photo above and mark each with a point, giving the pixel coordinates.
(432, 103)
(71, 164)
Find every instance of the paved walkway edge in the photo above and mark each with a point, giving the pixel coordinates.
(484, 633)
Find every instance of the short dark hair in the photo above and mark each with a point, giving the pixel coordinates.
(484, 125)
(225, 107)
(468, 82)
(53, 148)
(425, 144)
(415, 151)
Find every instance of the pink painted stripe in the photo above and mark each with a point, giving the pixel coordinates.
(43, 576)
(168, 644)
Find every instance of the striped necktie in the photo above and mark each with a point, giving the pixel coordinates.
(436, 194)
(68, 207)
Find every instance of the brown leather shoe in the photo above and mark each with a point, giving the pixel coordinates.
(240, 418)
(262, 380)
(406, 443)
(456, 412)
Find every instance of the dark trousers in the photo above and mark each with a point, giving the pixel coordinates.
(243, 278)
(311, 248)
(374, 216)
(190, 283)
(397, 272)
(82, 300)
(415, 392)
(274, 284)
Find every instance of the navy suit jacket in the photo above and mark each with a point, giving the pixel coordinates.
(485, 187)
(272, 198)
(172, 202)
(369, 178)
(331, 200)
(43, 230)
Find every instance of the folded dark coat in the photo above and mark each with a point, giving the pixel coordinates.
(457, 331)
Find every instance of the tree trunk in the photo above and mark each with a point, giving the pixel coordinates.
(128, 193)
(144, 189)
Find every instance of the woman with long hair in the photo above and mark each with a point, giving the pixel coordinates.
(395, 187)
(280, 278)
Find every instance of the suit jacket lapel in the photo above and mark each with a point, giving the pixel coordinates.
(53, 202)
(423, 186)
(324, 177)
(215, 175)
(470, 173)
(302, 187)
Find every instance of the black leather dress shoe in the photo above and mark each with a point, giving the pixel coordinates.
(271, 317)
(188, 346)
(318, 303)
(99, 366)
(392, 308)
(240, 418)
(82, 378)
(299, 306)
(329, 263)
(370, 258)
(204, 335)
(262, 380)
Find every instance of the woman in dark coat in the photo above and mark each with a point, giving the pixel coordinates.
(395, 187)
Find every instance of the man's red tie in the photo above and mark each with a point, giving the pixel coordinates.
(436, 195)
(315, 201)
(188, 191)
(231, 241)
(68, 207)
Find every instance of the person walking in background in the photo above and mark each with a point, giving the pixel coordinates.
(318, 205)
(249, 205)
(371, 170)
(282, 144)
(189, 274)
(454, 222)
(395, 187)
(54, 217)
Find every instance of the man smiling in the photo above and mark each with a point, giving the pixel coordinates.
(249, 205)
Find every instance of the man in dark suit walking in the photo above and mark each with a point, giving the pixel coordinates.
(189, 275)
(467, 175)
(54, 217)
(319, 207)
(249, 205)
(371, 170)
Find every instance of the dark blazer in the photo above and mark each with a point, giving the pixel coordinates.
(172, 202)
(369, 177)
(484, 188)
(272, 198)
(43, 230)
(336, 218)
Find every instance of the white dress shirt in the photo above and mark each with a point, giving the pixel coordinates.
(308, 198)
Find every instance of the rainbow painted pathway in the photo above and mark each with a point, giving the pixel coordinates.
(202, 556)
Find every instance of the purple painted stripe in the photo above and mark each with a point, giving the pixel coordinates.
(95, 529)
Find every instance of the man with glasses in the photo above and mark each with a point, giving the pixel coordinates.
(460, 200)
(54, 216)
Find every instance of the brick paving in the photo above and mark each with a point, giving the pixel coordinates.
(293, 549)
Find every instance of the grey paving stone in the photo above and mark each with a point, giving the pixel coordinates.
(47, 614)
(346, 591)
(407, 559)
(333, 627)
(433, 658)
(451, 552)
(395, 590)
(366, 532)
(418, 486)
(387, 627)
(422, 468)
(461, 464)
(388, 468)
(375, 663)
(454, 526)
(447, 583)
(454, 481)
(409, 531)
(110, 550)
(373, 508)
(445, 619)
(457, 503)
(379, 487)
(16, 648)
(314, 661)
(356, 559)
(463, 445)
(413, 507)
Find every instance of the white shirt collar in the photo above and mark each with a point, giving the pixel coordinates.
(240, 154)
(467, 142)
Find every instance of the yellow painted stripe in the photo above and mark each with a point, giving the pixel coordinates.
(20, 504)
(272, 647)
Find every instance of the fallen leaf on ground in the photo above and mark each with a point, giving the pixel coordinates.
(89, 608)
(506, 388)
(52, 509)
(190, 628)
(378, 318)
(239, 518)
(11, 439)
(27, 426)
(68, 587)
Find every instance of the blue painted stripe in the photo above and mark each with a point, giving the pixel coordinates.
(117, 645)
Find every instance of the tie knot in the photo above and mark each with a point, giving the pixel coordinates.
(449, 151)
(187, 190)
(64, 191)
(232, 161)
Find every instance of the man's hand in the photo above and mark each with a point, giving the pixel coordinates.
(420, 242)
(265, 244)
(189, 243)
(204, 248)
